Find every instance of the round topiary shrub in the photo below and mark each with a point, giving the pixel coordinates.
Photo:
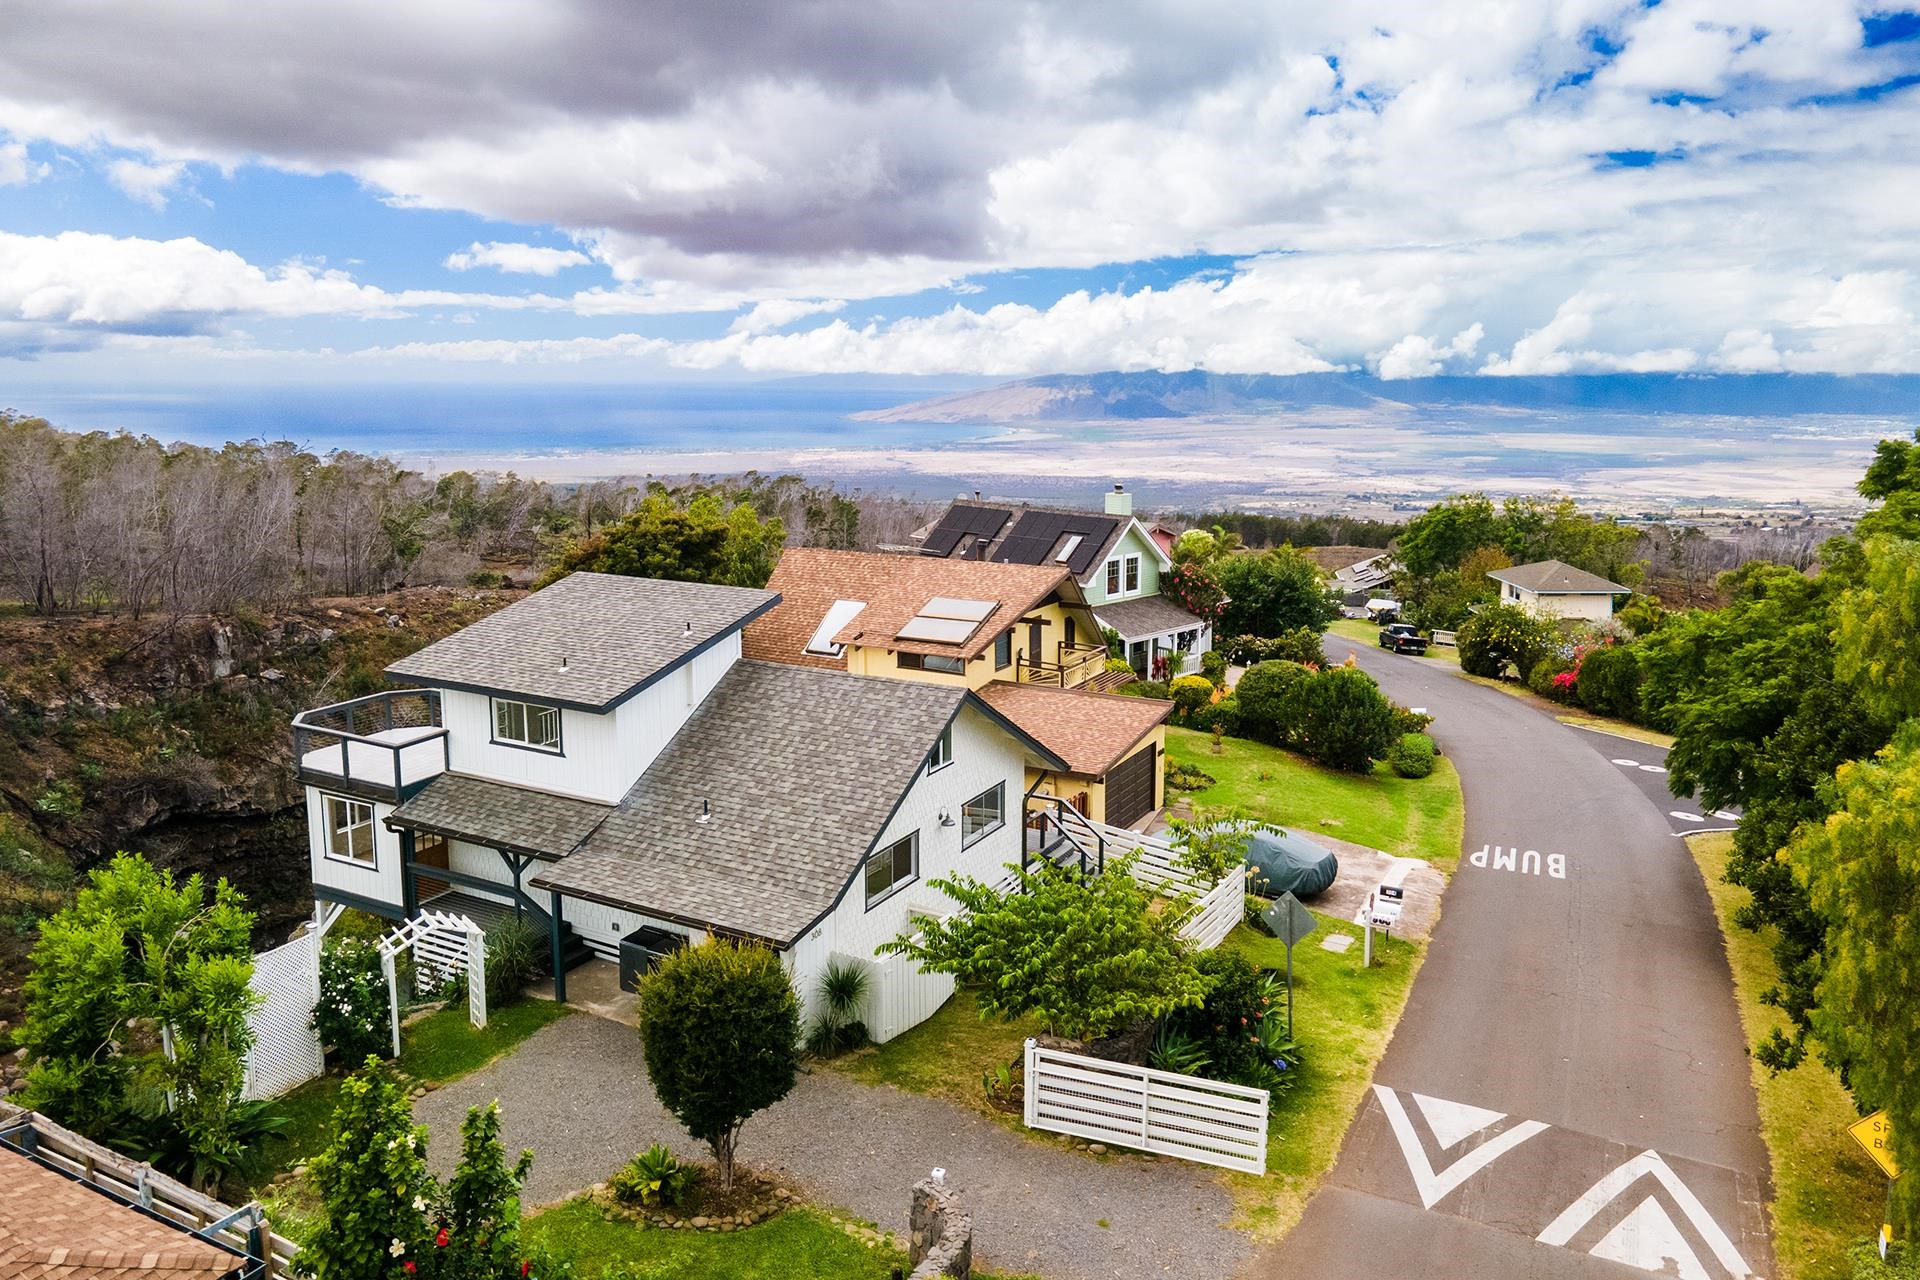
(1190, 694)
(1268, 700)
(1213, 665)
(1345, 722)
(1609, 682)
(1412, 756)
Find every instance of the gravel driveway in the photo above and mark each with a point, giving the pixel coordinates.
(577, 1093)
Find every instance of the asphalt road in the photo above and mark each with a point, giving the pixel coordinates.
(1645, 766)
(1567, 1093)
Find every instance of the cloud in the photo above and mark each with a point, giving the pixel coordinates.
(146, 182)
(777, 313)
(524, 259)
(1418, 356)
(16, 168)
(624, 346)
(1381, 178)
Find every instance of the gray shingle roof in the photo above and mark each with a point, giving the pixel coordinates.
(1147, 616)
(501, 816)
(801, 769)
(616, 634)
(1551, 577)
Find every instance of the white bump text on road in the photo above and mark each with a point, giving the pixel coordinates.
(1526, 862)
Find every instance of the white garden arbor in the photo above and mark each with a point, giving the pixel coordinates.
(443, 945)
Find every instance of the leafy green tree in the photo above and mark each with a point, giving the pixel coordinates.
(376, 1196)
(1269, 592)
(1086, 955)
(1499, 636)
(1877, 629)
(1212, 848)
(1862, 871)
(1268, 700)
(137, 1004)
(483, 1203)
(1441, 536)
(703, 541)
(721, 1026)
(1344, 721)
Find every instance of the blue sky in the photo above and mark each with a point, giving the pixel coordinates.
(559, 189)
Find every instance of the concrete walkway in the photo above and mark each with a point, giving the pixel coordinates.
(577, 1093)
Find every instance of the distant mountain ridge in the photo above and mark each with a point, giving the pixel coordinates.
(1131, 396)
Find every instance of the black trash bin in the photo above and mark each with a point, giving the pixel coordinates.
(644, 948)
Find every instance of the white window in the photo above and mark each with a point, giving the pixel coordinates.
(1113, 577)
(1133, 573)
(984, 814)
(526, 724)
(942, 754)
(349, 830)
(893, 866)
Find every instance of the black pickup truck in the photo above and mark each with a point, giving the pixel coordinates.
(1402, 638)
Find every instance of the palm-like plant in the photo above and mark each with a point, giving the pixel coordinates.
(843, 999)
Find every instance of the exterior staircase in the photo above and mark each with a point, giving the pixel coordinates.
(488, 912)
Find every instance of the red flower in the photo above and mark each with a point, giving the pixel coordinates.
(526, 1266)
(410, 1268)
(441, 1239)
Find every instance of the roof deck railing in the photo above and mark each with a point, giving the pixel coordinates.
(388, 743)
(1074, 665)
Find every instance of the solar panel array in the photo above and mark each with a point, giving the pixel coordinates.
(963, 520)
(1036, 535)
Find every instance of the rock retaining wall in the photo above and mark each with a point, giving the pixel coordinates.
(940, 1233)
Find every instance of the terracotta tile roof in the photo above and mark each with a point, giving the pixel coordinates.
(894, 588)
(1092, 732)
(52, 1228)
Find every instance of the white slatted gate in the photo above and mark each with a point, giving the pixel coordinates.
(286, 1050)
(1162, 1112)
(900, 996)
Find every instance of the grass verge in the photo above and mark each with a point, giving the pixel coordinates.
(944, 1056)
(1344, 1016)
(1826, 1193)
(1346, 632)
(1408, 817)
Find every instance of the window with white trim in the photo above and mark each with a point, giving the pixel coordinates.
(896, 865)
(350, 830)
(942, 754)
(1133, 573)
(984, 814)
(1113, 577)
(526, 724)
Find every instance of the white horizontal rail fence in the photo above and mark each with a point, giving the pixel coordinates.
(1162, 1112)
(286, 1049)
(444, 945)
(1213, 917)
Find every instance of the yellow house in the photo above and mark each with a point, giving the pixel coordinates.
(1022, 636)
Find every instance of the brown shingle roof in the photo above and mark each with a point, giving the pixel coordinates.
(52, 1228)
(1092, 732)
(894, 588)
(1146, 616)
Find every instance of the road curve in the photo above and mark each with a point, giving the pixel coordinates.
(1567, 1093)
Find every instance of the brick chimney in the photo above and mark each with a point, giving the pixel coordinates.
(1119, 502)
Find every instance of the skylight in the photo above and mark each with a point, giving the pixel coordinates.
(1067, 548)
(838, 616)
(946, 620)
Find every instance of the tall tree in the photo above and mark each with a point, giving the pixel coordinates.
(1269, 592)
(702, 541)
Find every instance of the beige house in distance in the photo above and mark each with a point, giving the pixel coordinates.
(1551, 589)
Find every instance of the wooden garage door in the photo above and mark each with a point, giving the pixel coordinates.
(1130, 787)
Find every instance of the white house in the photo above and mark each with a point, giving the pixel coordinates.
(1116, 560)
(600, 758)
(1551, 589)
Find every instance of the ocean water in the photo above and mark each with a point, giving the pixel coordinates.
(496, 422)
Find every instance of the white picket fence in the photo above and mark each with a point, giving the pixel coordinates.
(286, 1050)
(1161, 1112)
(901, 996)
(1216, 908)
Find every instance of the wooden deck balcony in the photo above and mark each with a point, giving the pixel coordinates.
(1072, 666)
(385, 746)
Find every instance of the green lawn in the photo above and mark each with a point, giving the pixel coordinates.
(1826, 1192)
(800, 1242)
(1409, 817)
(1343, 1017)
(439, 1048)
(945, 1055)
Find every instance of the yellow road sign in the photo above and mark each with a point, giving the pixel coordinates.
(1875, 1133)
